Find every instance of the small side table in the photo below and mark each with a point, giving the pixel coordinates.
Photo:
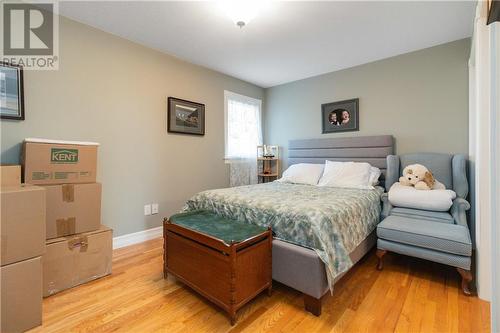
(268, 166)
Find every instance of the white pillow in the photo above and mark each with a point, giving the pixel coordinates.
(410, 197)
(303, 173)
(374, 176)
(346, 174)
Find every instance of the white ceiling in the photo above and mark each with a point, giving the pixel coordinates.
(287, 41)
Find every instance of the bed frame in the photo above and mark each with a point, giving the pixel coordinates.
(299, 267)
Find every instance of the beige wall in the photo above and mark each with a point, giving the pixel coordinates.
(114, 92)
(421, 98)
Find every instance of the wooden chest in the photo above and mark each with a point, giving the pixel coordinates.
(228, 262)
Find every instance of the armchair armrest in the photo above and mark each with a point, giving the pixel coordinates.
(458, 209)
(386, 205)
(459, 174)
(392, 174)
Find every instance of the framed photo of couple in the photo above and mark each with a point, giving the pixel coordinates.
(342, 116)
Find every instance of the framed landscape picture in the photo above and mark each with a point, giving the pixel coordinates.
(342, 116)
(185, 117)
(11, 92)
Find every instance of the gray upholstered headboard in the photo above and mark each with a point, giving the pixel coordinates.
(371, 149)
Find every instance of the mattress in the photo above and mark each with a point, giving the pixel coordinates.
(331, 221)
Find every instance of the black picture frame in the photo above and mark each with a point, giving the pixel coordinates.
(185, 117)
(332, 116)
(493, 11)
(17, 91)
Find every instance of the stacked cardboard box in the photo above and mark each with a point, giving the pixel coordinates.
(78, 247)
(22, 242)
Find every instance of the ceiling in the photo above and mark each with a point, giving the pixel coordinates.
(287, 41)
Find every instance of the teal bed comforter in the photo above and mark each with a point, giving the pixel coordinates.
(331, 221)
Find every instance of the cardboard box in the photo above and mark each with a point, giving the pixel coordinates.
(22, 225)
(73, 260)
(58, 162)
(72, 209)
(21, 296)
(10, 175)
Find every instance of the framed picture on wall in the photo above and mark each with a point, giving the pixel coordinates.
(11, 92)
(342, 116)
(493, 11)
(185, 117)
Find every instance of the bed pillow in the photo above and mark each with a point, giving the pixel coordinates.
(303, 173)
(374, 176)
(410, 197)
(346, 174)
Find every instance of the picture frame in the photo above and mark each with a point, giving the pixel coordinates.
(11, 92)
(493, 12)
(341, 116)
(185, 117)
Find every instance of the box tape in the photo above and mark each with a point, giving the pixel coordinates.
(68, 192)
(82, 242)
(66, 226)
(3, 242)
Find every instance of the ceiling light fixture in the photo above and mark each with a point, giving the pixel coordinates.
(241, 11)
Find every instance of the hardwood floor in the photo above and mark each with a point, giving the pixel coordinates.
(409, 295)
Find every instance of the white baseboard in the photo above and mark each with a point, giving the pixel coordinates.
(137, 237)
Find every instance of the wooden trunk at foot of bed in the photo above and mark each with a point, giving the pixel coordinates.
(229, 275)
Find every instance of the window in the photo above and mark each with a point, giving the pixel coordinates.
(243, 130)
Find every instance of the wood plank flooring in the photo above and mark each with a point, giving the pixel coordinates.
(409, 295)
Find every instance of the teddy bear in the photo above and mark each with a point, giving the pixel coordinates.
(420, 177)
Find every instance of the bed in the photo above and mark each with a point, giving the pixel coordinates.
(320, 232)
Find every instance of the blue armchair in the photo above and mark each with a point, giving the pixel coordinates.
(442, 237)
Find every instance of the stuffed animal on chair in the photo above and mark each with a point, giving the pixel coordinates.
(420, 177)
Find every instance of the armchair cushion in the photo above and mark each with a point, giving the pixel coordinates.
(441, 217)
(444, 237)
(454, 260)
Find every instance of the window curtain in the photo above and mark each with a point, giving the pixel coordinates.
(243, 135)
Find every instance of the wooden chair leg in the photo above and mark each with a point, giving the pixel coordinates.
(466, 279)
(380, 255)
(312, 305)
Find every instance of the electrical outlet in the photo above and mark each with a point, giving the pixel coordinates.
(154, 208)
(147, 209)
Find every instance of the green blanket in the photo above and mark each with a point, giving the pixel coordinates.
(227, 230)
(332, 221)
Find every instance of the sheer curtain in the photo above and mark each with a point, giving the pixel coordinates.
(243, 133)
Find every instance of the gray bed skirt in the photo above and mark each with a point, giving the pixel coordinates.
(301, 269)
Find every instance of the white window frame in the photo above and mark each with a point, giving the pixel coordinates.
(232, 95)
